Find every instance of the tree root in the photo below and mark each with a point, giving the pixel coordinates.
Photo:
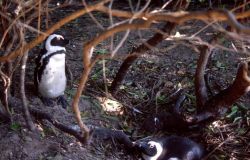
(40, 115)
(74, 130)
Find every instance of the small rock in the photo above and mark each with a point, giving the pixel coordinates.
(169, 84)
(28, 139)
(181, 72)
(58, 157)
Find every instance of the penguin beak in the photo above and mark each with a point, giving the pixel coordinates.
(65, 42)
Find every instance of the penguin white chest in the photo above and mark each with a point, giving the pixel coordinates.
(53, 79)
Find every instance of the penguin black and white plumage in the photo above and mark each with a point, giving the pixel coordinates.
(169, 148)
(50, 78)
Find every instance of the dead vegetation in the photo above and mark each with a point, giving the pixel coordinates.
(22, 20)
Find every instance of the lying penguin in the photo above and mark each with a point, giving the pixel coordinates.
(49, 77)
(169, 148)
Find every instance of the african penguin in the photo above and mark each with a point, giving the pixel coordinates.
(49, 77)
(169, 148)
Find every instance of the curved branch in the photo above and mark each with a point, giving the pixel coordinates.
(183, 15)
(200, 84)
(228, 96)
(177, 17)
(26, 112)
(157, 38)
(43, 115)
(56, 26)
(218, 104)
(215, 15)
(87, 53)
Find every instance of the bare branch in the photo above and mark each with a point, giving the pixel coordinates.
(240, 86)
(40, 115)
(157, 38)
(175, 17)
(200, 84)
(27, 116)
(56, 26)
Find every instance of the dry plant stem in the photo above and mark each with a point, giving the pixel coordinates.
(183, 16)
(69, 75)
(122, 72)
(217, 147)
(175, 17)
(7, 77)
(200, 83)
(136, 52)
(4, 97)
(228, 96)
(102, 133)
(87, 53)
(26, 112)
(56, 26)
(157, 38)
(15, 103)
(118, 135)
(217, 105)
(85, 130)
(12, 23)
(39, 16)
(46, 116)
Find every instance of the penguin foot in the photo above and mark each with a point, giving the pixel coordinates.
(62, 101)
(47, 101)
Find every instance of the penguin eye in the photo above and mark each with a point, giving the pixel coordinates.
(151, 146)
(156, 121)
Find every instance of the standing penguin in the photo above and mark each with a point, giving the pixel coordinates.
(169, 148)
(50, 78)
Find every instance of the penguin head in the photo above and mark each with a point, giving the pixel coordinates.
(150, 149)
(55, 42)
(169, 148)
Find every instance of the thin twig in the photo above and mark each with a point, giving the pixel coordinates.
(56, 26)
(27, 116)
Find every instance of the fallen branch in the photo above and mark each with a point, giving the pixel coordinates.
(157, 38)
(110, 134)
(96, 133)
(228, 96)
(40, 115)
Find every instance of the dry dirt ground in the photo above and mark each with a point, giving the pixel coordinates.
(145, 91)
